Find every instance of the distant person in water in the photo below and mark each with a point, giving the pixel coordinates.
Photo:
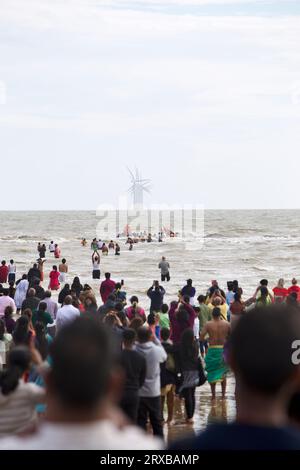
(164, 267)
(42, 251)
(63, 269)
(117, 249)
(12, 271)
(57, 251)
(94, 245)
(54, 279)
(111, 245)
(96, 265)
(83, 242)
(104, 249)
(3, 272)
(40, 263)
(52, 247)
(33, 274)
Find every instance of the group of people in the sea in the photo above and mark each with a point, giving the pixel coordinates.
(115, 367)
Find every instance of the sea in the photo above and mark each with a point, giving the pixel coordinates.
(246, 245)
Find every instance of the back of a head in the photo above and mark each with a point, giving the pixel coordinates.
(68, 300)
(201, 299)
(19, 360)
(144, 334)
(165, 334)
(264, 282)
(129, 336)
(216, 312)
(151, 319)
(47, 294)
(266, 365)
(164, 308)
(83, 356)
(42, 307)
(294, 281)
(5, 291)
(31, 292)
(107, 275)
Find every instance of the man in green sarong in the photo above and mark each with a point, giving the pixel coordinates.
(218, 331)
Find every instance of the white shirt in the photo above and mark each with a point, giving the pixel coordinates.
(12, 268)
(51, 247)
(6, 301)
(17, 409)
(99, 435)
(196, 327)
(65, 315)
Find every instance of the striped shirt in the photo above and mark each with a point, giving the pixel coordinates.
(17, 410)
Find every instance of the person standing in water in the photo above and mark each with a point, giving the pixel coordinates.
(63, 269)
(117, 249)
(3, 272)
(96, 265)
(52, 247)
(42, 251)
(104, 249)
(164, 267)
(54, 276)
(218, 331)
(40, 263)
(57, 251)
(12, 271)
(111, 245)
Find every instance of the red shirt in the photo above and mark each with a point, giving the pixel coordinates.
(280, 292)
(3, 273)
(106, 288)
(293, 289)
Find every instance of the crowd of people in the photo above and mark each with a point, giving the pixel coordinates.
(114, 368)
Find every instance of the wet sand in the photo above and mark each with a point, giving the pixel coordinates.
(206, 412)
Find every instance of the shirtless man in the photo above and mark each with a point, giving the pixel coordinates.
(63, 269)
(218, 331)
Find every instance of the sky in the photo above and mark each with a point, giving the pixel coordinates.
(202, 96)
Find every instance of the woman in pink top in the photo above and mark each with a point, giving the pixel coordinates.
(54, 282)
(135, 310)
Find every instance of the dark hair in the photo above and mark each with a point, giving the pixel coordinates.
(144, 334)
(107, 275)
(165, 334)
(188, 347)
(8, 311)
(129, 335)
(237, 296)
(21, 334)
(136, 323)
(216, 312)
(43, 306)
(41, 342)
(182, 316)
(201, 299)
(164, 308)
(18, 362)
(151, 319)
(264, 282)
(268, 366)
(134, 299)
(83, 356)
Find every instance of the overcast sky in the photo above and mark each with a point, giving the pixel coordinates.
(202, 96)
